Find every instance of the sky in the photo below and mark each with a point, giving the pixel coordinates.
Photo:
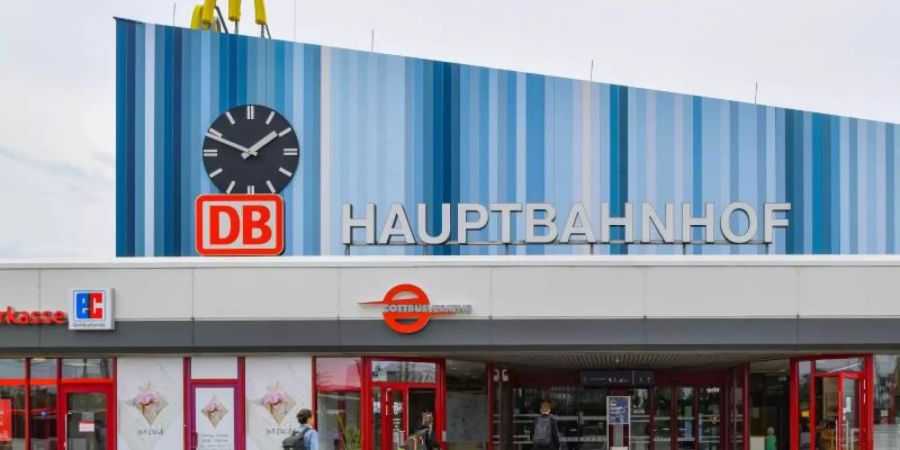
(57, 73)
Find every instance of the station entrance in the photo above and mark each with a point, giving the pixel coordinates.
(786, 403)
(667, 411)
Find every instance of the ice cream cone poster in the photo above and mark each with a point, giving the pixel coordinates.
(278, 402)
(150, 403)
(276, 389)
(215, 418)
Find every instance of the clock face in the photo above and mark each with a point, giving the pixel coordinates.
(251, 149)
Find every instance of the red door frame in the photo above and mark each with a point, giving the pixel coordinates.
(86, 387)
(865, 397)
(366, 396)
(387, 414)
(190, 386)
(696, 381)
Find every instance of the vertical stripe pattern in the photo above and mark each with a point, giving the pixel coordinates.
(385, 129)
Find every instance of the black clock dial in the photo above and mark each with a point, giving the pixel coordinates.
(251, 149)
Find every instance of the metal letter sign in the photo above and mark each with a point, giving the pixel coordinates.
(240, 225)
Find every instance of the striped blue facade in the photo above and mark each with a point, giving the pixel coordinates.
(385, 129)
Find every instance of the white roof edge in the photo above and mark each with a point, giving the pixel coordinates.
(455, 261)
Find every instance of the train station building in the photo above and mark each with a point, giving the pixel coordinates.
(374, 237)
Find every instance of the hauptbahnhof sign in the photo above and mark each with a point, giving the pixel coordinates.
(739, 223)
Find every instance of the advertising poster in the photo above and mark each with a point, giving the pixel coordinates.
(5, 420)
(618, 410)
(150, 405)
(277, 389)
(214, 416)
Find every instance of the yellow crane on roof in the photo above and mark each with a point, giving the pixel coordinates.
(208, 16)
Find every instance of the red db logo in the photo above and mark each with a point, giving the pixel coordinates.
(240, 224)
(407, 309)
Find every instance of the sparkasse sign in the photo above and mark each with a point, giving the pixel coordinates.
(13, 317)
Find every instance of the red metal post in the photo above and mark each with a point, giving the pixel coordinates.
(490, 395)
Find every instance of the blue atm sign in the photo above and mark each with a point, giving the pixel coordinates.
(91, 309)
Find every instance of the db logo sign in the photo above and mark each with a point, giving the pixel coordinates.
(240, 225)
(92, 309)
(408, 310)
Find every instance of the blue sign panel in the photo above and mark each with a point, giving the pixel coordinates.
(381, 129)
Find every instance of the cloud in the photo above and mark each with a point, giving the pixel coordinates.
(63, 169)
(54, 208)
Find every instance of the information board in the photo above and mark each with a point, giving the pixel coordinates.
(616, 378)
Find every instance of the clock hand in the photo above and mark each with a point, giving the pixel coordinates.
(228, 143)
(255, 148)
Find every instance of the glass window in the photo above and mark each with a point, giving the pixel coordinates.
(86, 368)
(408, 371)
(887, 399)
(684, 417)
(662, 420)
(770, 403)
(12, 417)
(338, 374)
(338, 403)
(467, 405)
(737, 408)
(43, 369)
(43, 417)
(12, 369)
(640, 419)
(839, 365)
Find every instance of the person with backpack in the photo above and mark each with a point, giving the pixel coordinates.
(544, 433)
(305, 437)
(422, 438)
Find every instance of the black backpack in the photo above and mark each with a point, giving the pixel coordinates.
(543, 431)
(296, 441)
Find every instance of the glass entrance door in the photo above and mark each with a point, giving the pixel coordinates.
(688, 417)
(87, 412)
(837, 412)
(709, 417)
(400, 410)
(850, 408)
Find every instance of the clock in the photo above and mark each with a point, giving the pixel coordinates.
(251, 149)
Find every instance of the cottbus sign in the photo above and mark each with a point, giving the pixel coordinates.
(407, 309)
(240, 225)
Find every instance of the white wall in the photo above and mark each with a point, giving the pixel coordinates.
(320, 288)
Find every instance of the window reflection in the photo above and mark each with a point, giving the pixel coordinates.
(12, 369)
(86, 368)
(42, 417)
(408, 371)
(338, 403)
(43, 369)
(887, 401)
(839, 365)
